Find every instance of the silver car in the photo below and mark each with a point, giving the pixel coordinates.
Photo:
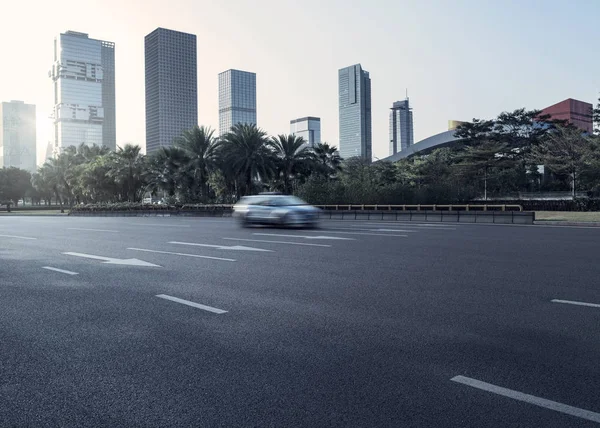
(275, 209)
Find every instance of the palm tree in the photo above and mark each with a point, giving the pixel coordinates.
(127, 171)
(200, 149)
(292, 159)
(247, 157)
(328, 158)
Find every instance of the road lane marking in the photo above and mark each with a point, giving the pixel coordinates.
(68, 272)
(18, 237)
(360, 233)
(374, 230)
(159, 225)
(93, 230)
(571, 302)
(192, 304)
(113, 261)
(531, 399)
(182, 254)
(221, 247)
(278, 242)
(337, 238)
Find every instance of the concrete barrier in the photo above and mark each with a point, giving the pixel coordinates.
(483, 217)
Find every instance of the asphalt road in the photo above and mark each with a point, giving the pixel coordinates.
(365, 324)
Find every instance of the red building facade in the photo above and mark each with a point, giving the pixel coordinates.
(578, 113)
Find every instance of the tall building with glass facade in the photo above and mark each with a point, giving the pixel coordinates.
(171, 86)
(83, 74)
(401, 126)
(237, 99)
(308, 128)
(355, 112)
(18, 135)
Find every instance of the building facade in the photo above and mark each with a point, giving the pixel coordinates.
(401, 126)
(354, 86)
(83, 75)
(309, 128)
(171, 86)
(237, 99)
(578, 113)
(18, 136)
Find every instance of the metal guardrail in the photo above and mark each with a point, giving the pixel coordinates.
(467, 207)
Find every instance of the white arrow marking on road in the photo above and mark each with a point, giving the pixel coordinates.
(113, 261)
(182, 254)
(221, 247)
(305, 237)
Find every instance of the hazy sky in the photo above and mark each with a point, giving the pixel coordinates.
(458, 59)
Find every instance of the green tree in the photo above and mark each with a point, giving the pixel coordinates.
(127, 170)
(596, 115)
(293, 160)
(246, 158)
(199, 148)
(328, 160)
(566, 150)
(14, 185)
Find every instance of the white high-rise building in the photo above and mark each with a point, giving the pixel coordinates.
(308, 128)
(83, 74)
(18, 135)
(237, 99)
(401, 126)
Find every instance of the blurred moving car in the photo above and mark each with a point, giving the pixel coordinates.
(275, 209)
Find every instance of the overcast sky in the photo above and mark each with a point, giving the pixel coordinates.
(458, 59)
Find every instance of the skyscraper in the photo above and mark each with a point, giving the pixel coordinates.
(171, 86)
(401, 126)
(355, 112)
(84, 91)
(237, 99)
(18, 135)
(308, 128)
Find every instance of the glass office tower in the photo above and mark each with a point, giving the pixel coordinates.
(18, 135)
(355, 112)
(237, 99)
(171, 86)
(308, 128)
(401, 126)
(83, 75)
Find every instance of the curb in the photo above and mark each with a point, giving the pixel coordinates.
(566, 223)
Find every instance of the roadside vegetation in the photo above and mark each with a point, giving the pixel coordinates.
(515, 153)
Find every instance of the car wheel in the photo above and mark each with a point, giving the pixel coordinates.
(291, 220)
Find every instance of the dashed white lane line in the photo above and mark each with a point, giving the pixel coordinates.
(192, 304)
(182, 254)
(531, 399)
(359, 233)
(68, 272)
(337, 238)
(571, 302)
(18, 237)
(93, 230)
(278, 242)
(221, 247)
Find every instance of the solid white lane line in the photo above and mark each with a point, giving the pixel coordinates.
(374, 230)
(278, 242)
(18, 237)
(337, 238)
(571, 302)
(536, 401)
(159, 225)
(181, 254)
(68, 272)
(192, 304)
(93, 230)
(359, 233)
(221, 247)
